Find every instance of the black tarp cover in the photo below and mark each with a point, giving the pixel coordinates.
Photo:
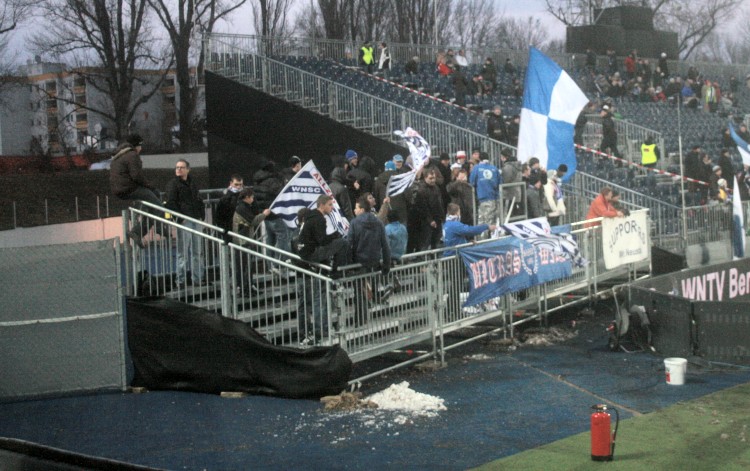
(177, 346)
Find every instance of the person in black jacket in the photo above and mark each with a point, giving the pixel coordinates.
(369, 247)
(496, 127)
(227, 204)
(460, 86)
(315, 244)
(426, 217)
(609, 133)
(267, 184)
(183, 198)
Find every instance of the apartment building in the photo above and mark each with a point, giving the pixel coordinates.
(51, 108)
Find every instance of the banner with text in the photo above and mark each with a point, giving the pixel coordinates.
(626, 239)
(508, 265)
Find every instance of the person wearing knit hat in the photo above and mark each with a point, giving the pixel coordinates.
(351, 155)
(128, 182)
(461, 154)
(398, 160)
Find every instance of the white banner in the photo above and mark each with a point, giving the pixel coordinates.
(625, 239)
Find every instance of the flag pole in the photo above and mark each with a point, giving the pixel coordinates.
(682, 172)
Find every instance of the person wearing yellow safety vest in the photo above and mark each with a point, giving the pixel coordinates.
(367, 57)
(649, 153)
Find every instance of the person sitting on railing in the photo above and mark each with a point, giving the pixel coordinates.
(245, 222)
(183, 197)
(316, 245)
(128, 182)
(602, 207)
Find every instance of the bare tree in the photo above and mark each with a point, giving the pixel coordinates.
(518, 34)
(421, 21)
(693, 21)
(107, 42)
(12, 14)
(335, 14)
(183, 20)
(472, 23)
(270, 17)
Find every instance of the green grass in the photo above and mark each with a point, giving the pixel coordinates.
(709, 433)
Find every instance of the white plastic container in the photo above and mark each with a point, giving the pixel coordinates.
(675, 369)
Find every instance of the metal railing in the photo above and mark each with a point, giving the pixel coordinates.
(630, 136)
(402, 52)
(291, 302)
(358, 109)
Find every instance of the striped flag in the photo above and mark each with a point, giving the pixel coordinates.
(419, 152)
(551, 104)
(742, 146)
(738, 223)
(538, 233)
(302, 191)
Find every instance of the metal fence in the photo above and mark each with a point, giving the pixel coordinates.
(61, 319)
(291, 302)
(630, 136)
(355, 108)
(402, 52)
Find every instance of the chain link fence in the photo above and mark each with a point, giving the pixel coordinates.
(61, 320)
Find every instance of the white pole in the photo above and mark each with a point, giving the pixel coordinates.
(682, 170)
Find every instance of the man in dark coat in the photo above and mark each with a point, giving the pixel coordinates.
(369, 247)
(341, 192)
(461, 193)
(267, 184)
(460, 86)
(227, 204)
(496, 127)
(427, 213)
(128, 182)
(183, 197)
(609, 133)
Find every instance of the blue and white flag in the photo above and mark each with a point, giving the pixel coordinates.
(551, 104)
(419, 152)
(738, 224)
(303, 191)
(538, 233)
(742, 146)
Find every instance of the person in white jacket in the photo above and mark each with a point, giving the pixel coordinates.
(553, 203)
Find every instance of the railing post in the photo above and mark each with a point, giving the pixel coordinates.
(227, 294)
(128, 253)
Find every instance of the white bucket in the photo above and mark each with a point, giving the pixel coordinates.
(675, 369)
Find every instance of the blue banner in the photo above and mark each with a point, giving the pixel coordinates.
(508, 265)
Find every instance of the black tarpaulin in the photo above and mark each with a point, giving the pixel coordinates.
(177, 346)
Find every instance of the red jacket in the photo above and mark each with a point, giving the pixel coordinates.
(600, 207)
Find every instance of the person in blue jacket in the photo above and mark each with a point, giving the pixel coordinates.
(485, 178)
(456, 233)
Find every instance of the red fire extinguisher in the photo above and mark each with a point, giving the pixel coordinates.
(602, 437)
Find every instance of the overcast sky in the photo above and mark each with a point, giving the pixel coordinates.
(242, 24)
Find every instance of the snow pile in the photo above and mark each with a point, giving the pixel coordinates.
(399, 397)
(548, 336)
(478, 357)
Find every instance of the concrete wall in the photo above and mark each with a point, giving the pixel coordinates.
(97, 229)
(199, 159)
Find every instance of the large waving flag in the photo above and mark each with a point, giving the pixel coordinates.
(742, 146)
(738, 224)
(303, 191)
(551, 104)
(419, 151)
(538, 233)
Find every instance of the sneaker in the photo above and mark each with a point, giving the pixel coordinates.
(135, 236)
